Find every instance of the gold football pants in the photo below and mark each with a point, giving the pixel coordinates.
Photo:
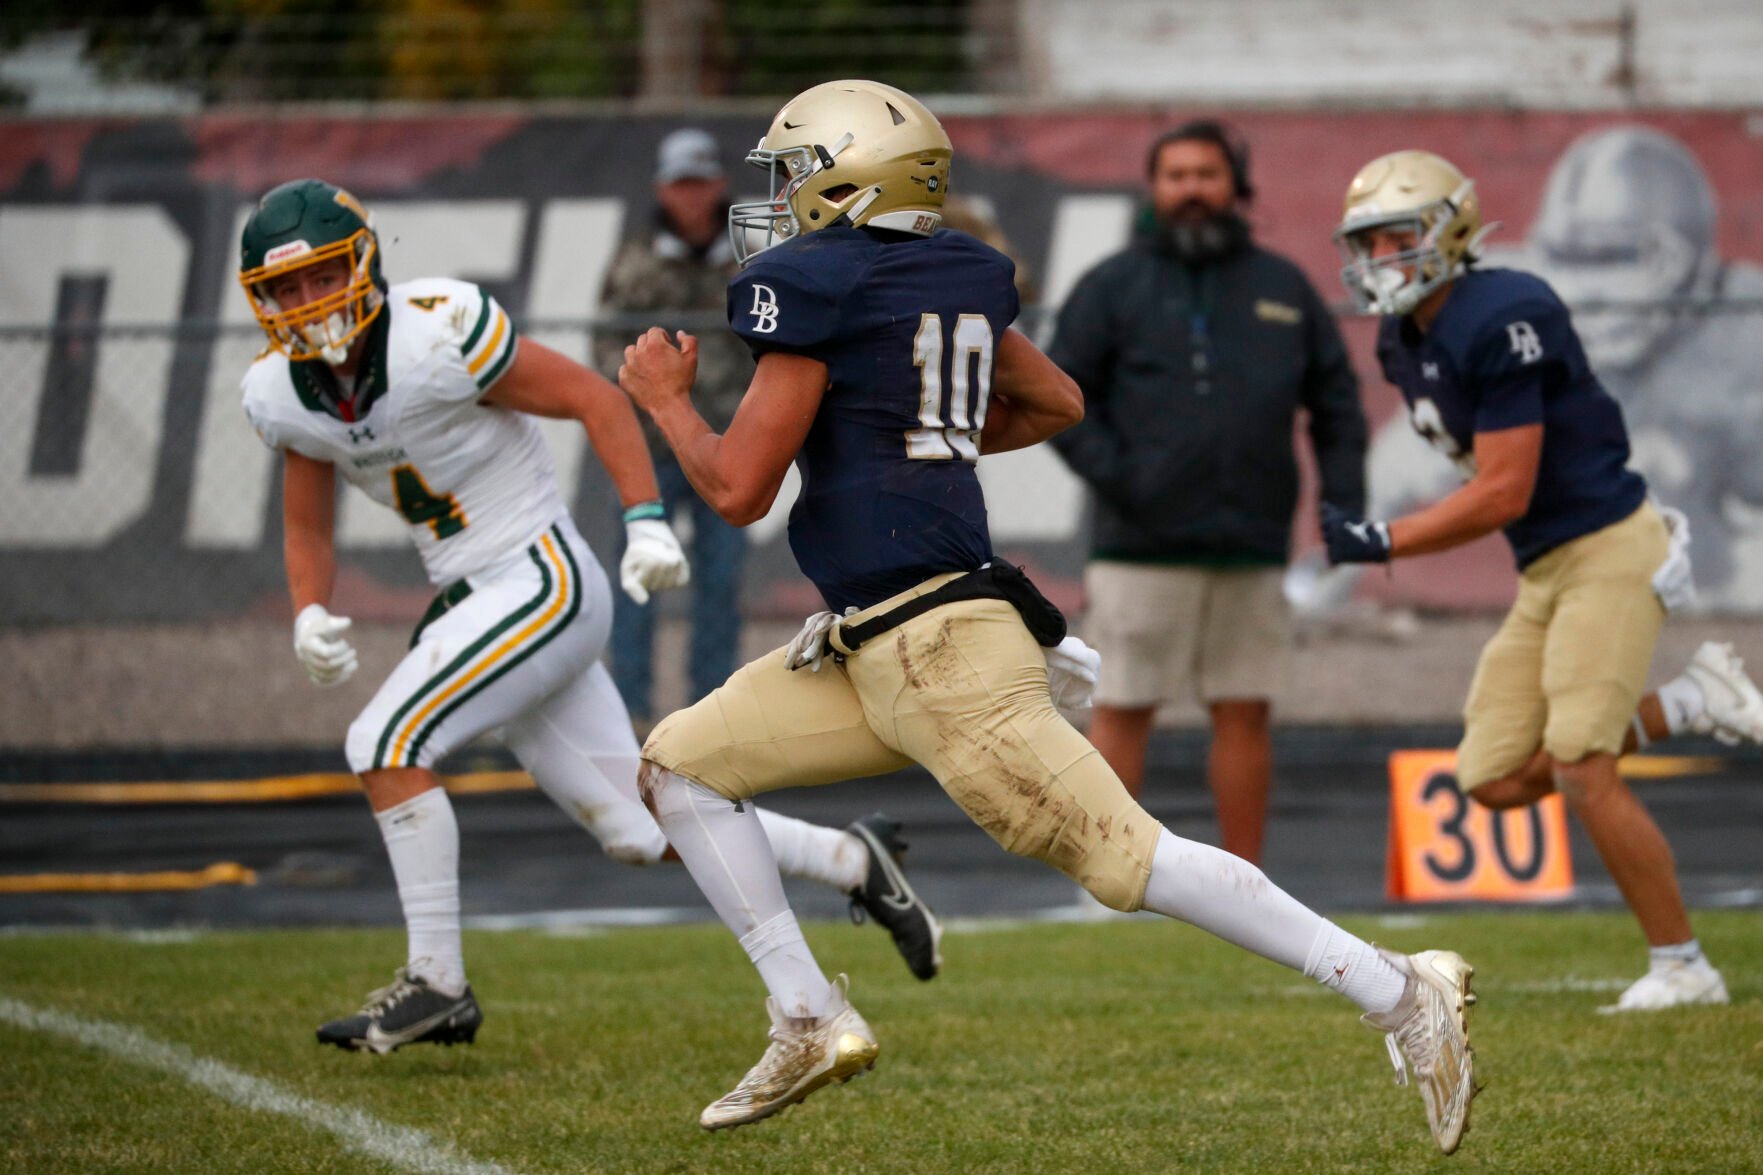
(961, 690)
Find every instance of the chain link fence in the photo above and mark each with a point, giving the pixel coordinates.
(136, 490)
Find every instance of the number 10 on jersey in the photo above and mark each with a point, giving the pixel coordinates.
(1444, 846)
(964, 365)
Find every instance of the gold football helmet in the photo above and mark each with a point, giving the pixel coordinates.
(1423, 199)
(847, 152)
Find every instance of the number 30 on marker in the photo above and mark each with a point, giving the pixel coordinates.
(1445, 847)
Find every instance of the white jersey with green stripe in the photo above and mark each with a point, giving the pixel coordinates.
(473, 481)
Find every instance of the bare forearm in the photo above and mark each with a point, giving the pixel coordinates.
(1011, 425)
(1031, 398)
(617, 439)
(312, 568)
(1475, 509)
(699, 451)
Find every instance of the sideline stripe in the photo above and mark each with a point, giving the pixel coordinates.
(403, 1147)
(220, 873)
(1668, 766)
(279, 788)
(238, 791)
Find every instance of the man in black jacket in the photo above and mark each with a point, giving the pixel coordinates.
(1195, 348)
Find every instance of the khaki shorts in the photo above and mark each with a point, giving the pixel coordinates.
(1209, 634)
(1567, 668)
(962, 690)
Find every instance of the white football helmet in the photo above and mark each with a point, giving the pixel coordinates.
(847, 152)
(1422, 196)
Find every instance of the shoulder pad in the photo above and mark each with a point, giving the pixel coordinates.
(783, 303)
(461, 316)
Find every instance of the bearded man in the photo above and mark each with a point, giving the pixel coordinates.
(1195, 348)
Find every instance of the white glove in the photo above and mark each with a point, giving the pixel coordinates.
(652, 559)
(808, 646)
(318, 642)
(1674, 583)
(1072, 669)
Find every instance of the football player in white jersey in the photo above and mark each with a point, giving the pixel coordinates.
(423, 395)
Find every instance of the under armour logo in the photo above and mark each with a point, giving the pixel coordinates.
(764, 310)
(1429, 370)
(1525, 343)
(357, 435)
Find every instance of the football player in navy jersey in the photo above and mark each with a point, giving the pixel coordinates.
(886, 366)
(1495, 377)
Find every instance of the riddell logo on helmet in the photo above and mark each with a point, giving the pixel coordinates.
(283, 252)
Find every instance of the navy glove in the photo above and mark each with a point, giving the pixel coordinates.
(1354, 540)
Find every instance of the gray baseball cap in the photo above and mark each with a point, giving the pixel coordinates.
(688, 153)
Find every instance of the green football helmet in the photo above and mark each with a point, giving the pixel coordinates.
(307, 223)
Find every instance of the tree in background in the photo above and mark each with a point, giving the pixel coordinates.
(241, 51)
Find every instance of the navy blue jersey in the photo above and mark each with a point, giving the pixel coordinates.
(1502, 353)
(907, 327)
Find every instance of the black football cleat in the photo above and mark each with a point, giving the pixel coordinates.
(407, 1011)
(890, 899)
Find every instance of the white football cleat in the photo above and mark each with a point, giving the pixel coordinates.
(1732, 706)
(1430, 1027)
(1675, 984)
(805, 1054)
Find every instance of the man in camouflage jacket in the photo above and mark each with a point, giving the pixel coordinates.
(676, 276)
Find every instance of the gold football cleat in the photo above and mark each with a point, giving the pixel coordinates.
(805, 1054)
(1430, 1027)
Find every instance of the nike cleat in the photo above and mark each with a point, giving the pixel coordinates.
(890, 899)
(1732, 706)
(1430, 1028)
(1675, 984)
(406, 1011)
(805, 1054)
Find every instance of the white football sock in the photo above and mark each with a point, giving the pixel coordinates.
(1679, 952)
(422, 839)
(1352, 966)
(1225, 895)
(725, 849)
(1682, 701)
(786, 964)
(811, 851)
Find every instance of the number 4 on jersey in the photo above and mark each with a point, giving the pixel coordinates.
(417, 503)
(942, 437)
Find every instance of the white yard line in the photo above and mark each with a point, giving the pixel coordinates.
(401, 1146)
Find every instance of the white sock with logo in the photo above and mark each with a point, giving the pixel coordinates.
(422, 839)
(1352, 966)
(830, 856)
(1225, 895)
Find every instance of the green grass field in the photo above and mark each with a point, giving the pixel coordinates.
(1120, 1046)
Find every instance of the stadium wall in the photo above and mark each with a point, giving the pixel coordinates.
(140, 516)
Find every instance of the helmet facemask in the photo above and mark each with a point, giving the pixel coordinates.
(325, 327)
(773, 220)
(1398, 282)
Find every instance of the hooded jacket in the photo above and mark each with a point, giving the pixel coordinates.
(1192, 378)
